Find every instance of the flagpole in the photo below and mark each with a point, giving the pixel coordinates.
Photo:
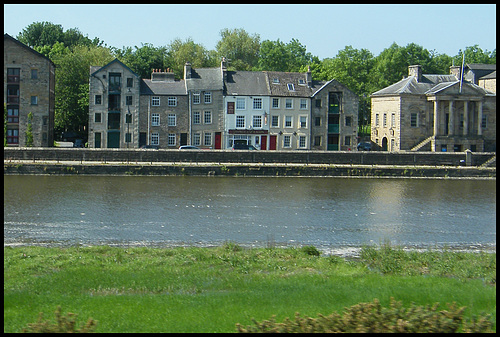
(462, 72)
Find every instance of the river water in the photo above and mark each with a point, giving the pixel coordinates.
(329, 213)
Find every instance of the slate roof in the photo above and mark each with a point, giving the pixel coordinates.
(246, 83)
(489, 76)
(149, 87)
(95, 69)
(428, 85)
(205, 79)
(283, 79)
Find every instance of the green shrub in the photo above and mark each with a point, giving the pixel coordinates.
(373, 318)
(63, 324)
(311, 250)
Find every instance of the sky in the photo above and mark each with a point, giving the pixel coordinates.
(324, 29)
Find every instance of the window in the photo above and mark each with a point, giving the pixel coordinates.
(155, 101)
(13, 75)
(172, 120)
(276, 80)
(171, 139)
(275, 121)
(128, 100)
(196, 139)
(155, 139)
(288, 103)
(376, 120)
(302, 142)
(288, 121)
(128, 118)
(348, 121)
(130, 82)
(393, 120)
(317, 140)
(196, 117)
(240, 121)
(128, 137)
(276, 103)
(34, 100)
(196, 98)
(97, 117)
(484, 121)
(98, 99)
(12, 136)
(155, 119)
(317, 121)
(290, 87)
(286, 141)
(240, 104)
(385, 120)
(257, 103)
(303, 121)
(34, 74)
(414, 120)
(207, 117)
(208, 98)
(115, 80)
(303, 103)
(207, 139)
(172, 101)
(347, 140)
(257, 121)
(317, 103)
(301, 81)
(13, 114)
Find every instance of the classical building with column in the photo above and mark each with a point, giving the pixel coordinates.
(434, 113)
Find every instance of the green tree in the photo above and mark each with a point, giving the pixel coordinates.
(289, 57)
(29, 130)
(180, 52)
(240, 48)
(72, 88)
(474, 54)
(142, 60)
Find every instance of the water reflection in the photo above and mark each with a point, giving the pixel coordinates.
(253, 211)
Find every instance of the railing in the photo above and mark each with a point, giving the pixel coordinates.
(12, 99)
(12, 79)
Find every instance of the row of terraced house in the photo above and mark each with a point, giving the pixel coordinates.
(216, 108)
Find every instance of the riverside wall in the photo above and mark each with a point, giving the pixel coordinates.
(55, 161)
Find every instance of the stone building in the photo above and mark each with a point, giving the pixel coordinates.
(434, 113)
(29, 86)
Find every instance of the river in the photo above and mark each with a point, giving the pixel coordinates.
(329, 213)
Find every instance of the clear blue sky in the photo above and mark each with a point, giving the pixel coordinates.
(323, 29)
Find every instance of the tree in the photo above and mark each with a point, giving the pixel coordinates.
(40, 34)
(278, 56)
(180, 52)
(474, 54)
(241, 48)
(142, 60)
(29, 130)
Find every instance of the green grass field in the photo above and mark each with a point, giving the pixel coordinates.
(211, 289)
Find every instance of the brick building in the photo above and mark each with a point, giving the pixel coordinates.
(29, 85)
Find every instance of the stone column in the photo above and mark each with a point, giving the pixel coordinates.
(450, 120)
(436, 119)
(480, 119)
(466, 118)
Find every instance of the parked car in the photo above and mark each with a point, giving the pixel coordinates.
(365, 146)
(154, 147)
(188, 147)
(79, 143)
(239, 146)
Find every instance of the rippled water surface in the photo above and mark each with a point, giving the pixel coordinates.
(325, 212)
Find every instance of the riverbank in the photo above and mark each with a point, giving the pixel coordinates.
(56, 167)
(193, 289)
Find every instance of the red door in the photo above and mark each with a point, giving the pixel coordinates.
(272, 142)
(263, 142)
(217, 140)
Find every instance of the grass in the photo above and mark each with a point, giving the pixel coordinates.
(211, 289)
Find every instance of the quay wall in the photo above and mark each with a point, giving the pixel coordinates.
(265, 157)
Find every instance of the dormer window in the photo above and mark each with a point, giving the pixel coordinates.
(302, 82)
(276, 80)
(290, 87)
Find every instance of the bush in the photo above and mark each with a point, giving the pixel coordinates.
(373, 318)
(63, 324)
(311, 250)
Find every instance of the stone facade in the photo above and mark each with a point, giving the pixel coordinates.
(434, 113)
(29, 86)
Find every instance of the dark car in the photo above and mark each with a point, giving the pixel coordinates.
(79, 143)
(239, 146)
(365, 146)
(188, 147)
(153, 147)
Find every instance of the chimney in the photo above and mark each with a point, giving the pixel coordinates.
(187, 70)
(223, 68)
(159, 75)
(309, 77)
(415, 70)
(456, 70)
